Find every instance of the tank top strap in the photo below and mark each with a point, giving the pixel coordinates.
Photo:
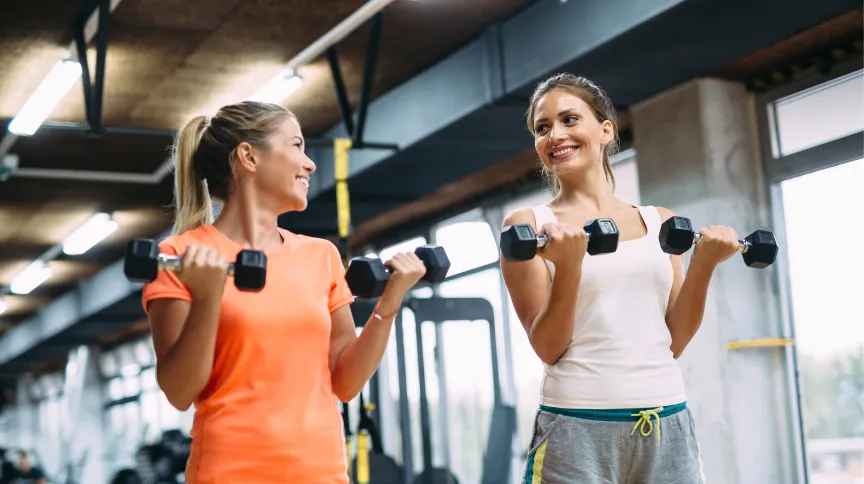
(542, 216)
(651, 217)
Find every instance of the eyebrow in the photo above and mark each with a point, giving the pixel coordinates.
(562, 113)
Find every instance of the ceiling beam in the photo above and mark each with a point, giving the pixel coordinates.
(466, 113)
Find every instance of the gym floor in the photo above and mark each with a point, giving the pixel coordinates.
(753, 123)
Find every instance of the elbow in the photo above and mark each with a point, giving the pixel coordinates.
(343, 390)
(548, 353)
(345, 395)
(179, 398)
(549, 359)
(550, 356)
(178, 403)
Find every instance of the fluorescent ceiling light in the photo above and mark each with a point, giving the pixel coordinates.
(91, 233)
(3, 306)
(278, 88)
(56, 84)
(30, 278)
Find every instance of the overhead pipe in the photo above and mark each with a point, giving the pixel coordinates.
(337, 33)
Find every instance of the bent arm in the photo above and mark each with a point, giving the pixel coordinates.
(687, 299)
(546, 309)
(353, 359)
(184, 339)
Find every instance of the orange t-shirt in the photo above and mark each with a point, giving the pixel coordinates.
(268, 412)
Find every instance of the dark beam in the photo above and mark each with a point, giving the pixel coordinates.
(93, 88)
(368, 76)
(341, 94)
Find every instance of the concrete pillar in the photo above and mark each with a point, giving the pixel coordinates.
(697, 152)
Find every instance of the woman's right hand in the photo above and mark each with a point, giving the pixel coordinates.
(565, 244)
(203, 270)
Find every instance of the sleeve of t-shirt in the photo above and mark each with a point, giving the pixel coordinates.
(340, 294)
(166, 285)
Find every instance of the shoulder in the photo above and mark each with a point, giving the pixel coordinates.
(177, 243)
(521, 215)
(314, 244)
(665, 213)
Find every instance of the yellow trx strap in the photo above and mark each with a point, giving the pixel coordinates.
(362, 458)
(363, 436)
(343, 203)
(343, 214)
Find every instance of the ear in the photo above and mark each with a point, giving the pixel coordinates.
(245, 157)
(608, 132)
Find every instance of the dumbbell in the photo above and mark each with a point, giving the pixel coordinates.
(368, 277)
(758, 249)
(144, 261)
(520, 243)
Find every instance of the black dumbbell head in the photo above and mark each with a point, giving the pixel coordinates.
(676, 235)
(435, 259)
(142, 260)
(367, 277)
(250, 270)
(763, 249)
(518, 243)
(603, 236)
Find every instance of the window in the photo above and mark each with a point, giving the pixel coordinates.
(404, 246)
(825, 300)
(467, 362)
(469, 244)
(818, 115)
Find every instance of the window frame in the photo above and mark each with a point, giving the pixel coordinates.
(776, 169)
(832, 153)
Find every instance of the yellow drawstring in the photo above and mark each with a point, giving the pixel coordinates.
(645, 418)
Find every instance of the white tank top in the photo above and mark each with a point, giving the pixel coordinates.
(619, 355)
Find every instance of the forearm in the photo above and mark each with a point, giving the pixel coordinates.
(359, 360)
(685, 315)
(184, 370)
(552, 328)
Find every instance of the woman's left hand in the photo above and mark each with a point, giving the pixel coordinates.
(406, 269)
(718, 244)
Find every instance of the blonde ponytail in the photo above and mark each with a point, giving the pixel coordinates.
(191, 195)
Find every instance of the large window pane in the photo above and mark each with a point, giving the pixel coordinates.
(819, 115)
(468, 369)
(404, 246)
(469, 245)
(826, 263)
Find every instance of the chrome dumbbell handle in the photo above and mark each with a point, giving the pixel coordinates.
(743, 245)
(173, 262)
(542, 240)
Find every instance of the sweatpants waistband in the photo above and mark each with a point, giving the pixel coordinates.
(617, 414)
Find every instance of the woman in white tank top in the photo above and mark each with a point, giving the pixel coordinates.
(609, 327)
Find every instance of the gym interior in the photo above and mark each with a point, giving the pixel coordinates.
(747, 114)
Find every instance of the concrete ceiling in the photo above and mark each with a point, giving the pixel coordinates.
(450, 89)
(168, 60)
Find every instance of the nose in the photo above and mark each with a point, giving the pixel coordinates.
(556, 132)
(309, 165)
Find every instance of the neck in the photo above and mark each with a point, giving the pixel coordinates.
(590, 193)
(247, 220)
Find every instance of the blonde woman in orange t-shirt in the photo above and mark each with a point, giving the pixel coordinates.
(264, 369)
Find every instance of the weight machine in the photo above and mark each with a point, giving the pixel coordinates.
(382, 469)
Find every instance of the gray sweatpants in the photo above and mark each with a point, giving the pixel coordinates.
(627, 446)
